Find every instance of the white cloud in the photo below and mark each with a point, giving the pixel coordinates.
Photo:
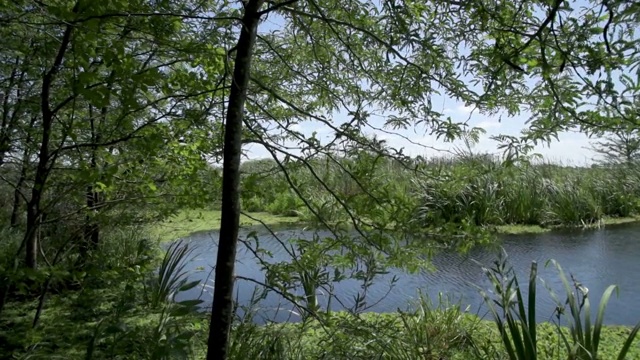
(487, 124)
(321, 130)
(460, 109)
(465, 109)
(295, 127)
(570, 149)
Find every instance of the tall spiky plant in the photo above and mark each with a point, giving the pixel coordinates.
(516, 323)
(584, 340)
(172, 275)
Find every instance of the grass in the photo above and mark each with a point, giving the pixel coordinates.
(72, 321)
(537, 229)
(520, 229)
(190, 221)
(431, 334)
(122, 310)
(621, 220)
(473, 189)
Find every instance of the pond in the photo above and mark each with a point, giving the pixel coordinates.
(597, 258)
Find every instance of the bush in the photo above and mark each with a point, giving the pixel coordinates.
(286, 203)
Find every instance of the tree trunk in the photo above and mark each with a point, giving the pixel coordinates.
(91, 236)
(221, 315)
(91, 232)
(6, 125)
(43, 167)
(31, 241)
(15, 210)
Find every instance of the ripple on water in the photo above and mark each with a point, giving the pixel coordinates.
(597, 258)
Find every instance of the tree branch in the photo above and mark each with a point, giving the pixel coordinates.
(276, 6)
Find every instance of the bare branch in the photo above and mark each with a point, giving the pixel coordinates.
(277, 6)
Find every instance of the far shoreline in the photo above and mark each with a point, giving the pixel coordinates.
(189, 222)
(518, 229)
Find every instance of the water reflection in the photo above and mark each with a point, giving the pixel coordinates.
(598, 258)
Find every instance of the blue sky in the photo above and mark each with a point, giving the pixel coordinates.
(572, 148)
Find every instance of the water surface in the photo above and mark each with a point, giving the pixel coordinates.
(597, 258)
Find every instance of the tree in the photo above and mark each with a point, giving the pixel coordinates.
(221, 315)
(133, 82)
(620, 143)
(114, 109)
(362, 57)
(619, 148)
(106, 115)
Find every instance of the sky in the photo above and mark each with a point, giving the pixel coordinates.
(570, 149)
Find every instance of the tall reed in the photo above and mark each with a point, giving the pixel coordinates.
(172, 276)
(516, 322)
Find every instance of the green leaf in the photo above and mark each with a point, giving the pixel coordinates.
(189, 286)
(190, 303)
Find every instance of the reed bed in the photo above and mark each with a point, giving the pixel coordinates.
(477, 189)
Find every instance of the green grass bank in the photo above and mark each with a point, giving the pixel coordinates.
(537, 229)
(70, 331)
(191, 221)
